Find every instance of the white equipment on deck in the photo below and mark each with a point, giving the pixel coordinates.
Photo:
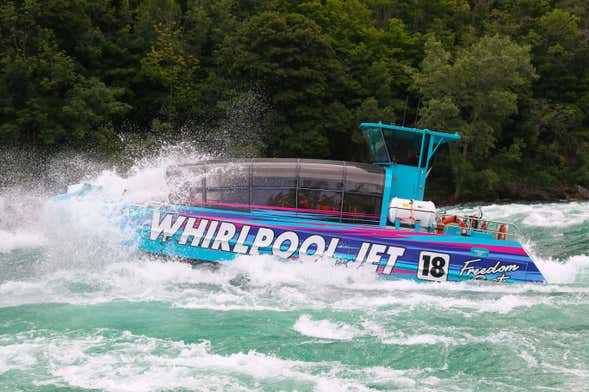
(412, 211)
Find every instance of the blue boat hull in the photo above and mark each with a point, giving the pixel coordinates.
(220, 236)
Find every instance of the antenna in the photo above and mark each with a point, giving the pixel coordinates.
(405, 110)
(417, 112)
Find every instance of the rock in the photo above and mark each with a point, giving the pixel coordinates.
(583, 192)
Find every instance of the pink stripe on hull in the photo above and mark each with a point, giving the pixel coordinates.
(370, 232)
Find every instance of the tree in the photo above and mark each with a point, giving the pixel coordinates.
(169, 65)
(286, 57)
(46, 99)
(475, 94)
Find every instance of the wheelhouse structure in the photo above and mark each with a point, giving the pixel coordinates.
(333, 191)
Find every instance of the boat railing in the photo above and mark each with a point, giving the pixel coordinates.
(471, 225)
(466, 225)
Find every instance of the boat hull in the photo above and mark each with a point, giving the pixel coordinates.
(220, 236)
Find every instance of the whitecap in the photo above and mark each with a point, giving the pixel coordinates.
(325, 329)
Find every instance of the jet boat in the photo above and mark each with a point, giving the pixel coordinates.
(361, 215)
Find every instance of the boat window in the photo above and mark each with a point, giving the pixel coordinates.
(263, 197)
(275, 173)
(376, 145)
(321, 175)
(226, 175)
(182, 180)
(358, 208)
(179, 194)
(267, 183)
(404, 148)
(174, 172)
(196, 197)
(228, 199)
(364, 179)
(326, 203)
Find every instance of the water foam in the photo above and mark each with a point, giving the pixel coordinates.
(542, 215)
(122, 361)
(572, 270)
(18, 224)
(325, 329)
(20, 239)
(17, 356)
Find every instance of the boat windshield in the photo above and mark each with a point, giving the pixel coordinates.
(388, 146)
(404, 148)
(314, 189)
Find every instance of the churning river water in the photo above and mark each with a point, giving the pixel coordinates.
(78, 311)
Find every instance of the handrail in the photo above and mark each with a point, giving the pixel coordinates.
(475, 223)
(472, 223)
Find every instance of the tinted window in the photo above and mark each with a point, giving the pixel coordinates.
(227, 175)
(274, 197)
(312, 203)
(196, 197)
(321, 175)
(179, 194)
(275, 173)
(364, 179)
(376, 145)
(404, 148)
(319, 200)
(181, 179)
(361, 208)
(273, 184)
(232, 199)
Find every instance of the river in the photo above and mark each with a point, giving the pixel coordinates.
(79, 311)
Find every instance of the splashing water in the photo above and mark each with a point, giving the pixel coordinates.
(78, 310)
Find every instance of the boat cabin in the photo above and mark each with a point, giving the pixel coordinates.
(387, 192)
(327, 190)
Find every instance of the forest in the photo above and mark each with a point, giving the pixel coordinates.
(294, 78)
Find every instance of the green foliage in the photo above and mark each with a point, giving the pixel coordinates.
(298, 69)
(169, 66)
(474, 92)
(295, 77)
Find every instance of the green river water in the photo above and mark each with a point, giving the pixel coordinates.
(79, 312)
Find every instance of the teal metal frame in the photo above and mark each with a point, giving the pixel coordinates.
(402, 180)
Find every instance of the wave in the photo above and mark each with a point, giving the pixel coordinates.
(20, 239)
(324, 329)
(263, 284)
(575, 269)
(101, 360)
(542, 215)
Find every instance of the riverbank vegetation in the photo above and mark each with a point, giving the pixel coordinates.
(294, 78)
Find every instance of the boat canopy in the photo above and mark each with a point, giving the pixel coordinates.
(406, 153)
(316, 189)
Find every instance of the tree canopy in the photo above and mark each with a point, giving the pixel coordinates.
(512, 76)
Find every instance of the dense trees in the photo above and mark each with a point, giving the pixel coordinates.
(511, 75)
(474, 92)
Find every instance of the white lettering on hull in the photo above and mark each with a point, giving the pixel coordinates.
(218, 235)
(164, 227)
(239, 245)
(481, 273)
(224, 235)
(288, 237)
(263, 239)
(191, 231)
